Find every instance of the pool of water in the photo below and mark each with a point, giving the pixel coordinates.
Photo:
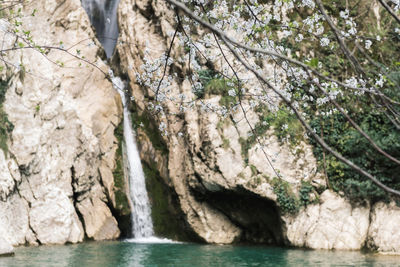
(184, 254)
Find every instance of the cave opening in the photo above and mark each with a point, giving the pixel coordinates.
(258, 217)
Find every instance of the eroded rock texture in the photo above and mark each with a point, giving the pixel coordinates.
(226, 194)
(56, 179)
(56, 182)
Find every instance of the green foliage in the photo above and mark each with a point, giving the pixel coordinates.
(254, 170)
(205, 77)
(221, 86)
(340, 135)
(245, 146)
(366, 111)
(225, 143)
(305, 190)
(3, 90)
(215, 84)
(288, 202)
(285, 124)
(6, 126)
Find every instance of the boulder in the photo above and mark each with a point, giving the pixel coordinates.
(5, 248)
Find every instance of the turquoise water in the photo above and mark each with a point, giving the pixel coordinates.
(131, 254)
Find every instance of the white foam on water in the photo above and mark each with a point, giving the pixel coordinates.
(151, 240)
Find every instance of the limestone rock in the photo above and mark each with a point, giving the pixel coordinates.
(204, 151)
(14, 220)
(333, 224)
(384, 231)
(62, 147)
(7, 182)
(5, 248)
(204, 161)
(55, 221)
(99, 222)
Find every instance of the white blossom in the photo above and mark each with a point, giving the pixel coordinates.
(324, 41)
(299, 38)
(344, 14)
(368, 44)
(231, 92)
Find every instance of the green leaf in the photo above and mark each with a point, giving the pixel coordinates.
(313, 62)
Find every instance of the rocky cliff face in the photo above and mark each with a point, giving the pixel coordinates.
(56, 177)
(56, 180)
(222, 182)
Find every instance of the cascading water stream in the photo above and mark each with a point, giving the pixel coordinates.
(103, 16)
(141, 213)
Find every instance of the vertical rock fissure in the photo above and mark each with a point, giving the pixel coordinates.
(75, 197)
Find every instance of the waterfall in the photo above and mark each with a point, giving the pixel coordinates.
(103, 16)
(141, 212)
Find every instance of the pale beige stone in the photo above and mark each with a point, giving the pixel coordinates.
(333, 224)
(14, 220)
(5, 247)
(384, 231)
(54, 220)
(62, 147)
(7, 182)
(99, 222)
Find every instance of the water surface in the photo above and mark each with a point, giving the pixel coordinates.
(132, 254)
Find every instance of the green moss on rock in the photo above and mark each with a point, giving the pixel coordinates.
(6, 126)
(122, 210)
(121, 200)
(165, 215)
(145, 122)
(288, 201)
